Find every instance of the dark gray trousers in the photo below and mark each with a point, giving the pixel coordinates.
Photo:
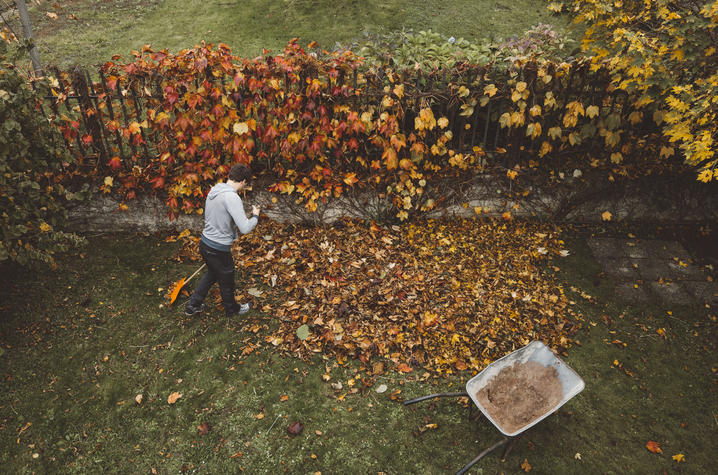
(220, 269)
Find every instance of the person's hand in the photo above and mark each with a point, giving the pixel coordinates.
(255, 210)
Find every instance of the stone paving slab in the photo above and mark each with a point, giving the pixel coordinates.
(706, 292)
(686, 271)
(620, 268)
(632, 293)
(654, 269)
(606, 247)
(639, 265)
(636, 250)
(671, 293)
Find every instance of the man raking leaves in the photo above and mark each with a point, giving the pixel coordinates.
(223, 214)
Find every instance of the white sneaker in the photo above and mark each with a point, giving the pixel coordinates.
(239, 309)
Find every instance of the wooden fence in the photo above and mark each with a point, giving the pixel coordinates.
(95, 117)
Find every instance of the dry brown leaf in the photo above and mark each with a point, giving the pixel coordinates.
(173, 397)
(295, 428)
(654, 447)
(204, 428)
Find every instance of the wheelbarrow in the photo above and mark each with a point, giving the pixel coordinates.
(571, 385)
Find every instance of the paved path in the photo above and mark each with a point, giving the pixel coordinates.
(647, 270)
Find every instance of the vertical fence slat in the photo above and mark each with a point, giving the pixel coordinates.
(69, 111)
(108, 97)
(99, 123)
(126, 117)
(138, 111)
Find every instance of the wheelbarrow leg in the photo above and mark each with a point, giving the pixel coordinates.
(509, 446)
(482, 455)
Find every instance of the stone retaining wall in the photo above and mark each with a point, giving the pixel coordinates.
(149, 214)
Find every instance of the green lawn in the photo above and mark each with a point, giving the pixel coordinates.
(89, 32)
(80, 343)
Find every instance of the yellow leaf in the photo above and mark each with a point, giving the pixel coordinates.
(173, 397)
(606, 216)
(443, 122)
(399, 90)
(545, 148)
(505, 119)
(705, 176)
(490, 90)
(679, 458)
(391, 159)
(535, 110)
(108, 181)
(134, 127)
(240, 128)
(350, 179)
(463, 91)
(666, 151)
(44, 227)
(520, 86)
(592, 111)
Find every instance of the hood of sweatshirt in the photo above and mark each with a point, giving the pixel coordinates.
(218, 189)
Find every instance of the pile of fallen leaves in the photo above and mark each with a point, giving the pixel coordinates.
(443, 296)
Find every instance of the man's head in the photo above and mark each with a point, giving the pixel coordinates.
(239, 176)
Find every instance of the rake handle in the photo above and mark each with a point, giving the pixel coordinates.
(195, 273)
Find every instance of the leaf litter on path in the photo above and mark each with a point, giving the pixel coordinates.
(438, 295)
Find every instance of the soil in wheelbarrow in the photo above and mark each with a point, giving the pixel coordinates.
(520, 394)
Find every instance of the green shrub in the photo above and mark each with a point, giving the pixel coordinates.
(429, 50)
(32, 204)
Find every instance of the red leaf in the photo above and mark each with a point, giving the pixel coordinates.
(158, 182)
(295, 428)
(115, 163)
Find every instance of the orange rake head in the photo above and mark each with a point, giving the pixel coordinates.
(180, 284)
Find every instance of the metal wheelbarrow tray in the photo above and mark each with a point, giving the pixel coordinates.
(536, 351)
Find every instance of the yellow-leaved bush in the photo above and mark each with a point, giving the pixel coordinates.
(665, 54)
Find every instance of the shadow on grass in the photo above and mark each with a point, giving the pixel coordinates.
(80, 343)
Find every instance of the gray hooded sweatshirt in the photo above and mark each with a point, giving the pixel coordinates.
(222, 210)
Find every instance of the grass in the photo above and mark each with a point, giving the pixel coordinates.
(102, 29)
(79, 343)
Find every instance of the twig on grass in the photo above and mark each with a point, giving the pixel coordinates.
(275, 421)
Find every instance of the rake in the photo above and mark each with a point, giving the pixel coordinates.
(179, 285)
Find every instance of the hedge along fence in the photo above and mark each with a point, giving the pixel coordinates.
(322, 125)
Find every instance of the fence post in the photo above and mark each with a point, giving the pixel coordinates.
(27, 29)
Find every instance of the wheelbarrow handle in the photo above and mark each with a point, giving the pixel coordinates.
(498, 444)
(432, 396)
